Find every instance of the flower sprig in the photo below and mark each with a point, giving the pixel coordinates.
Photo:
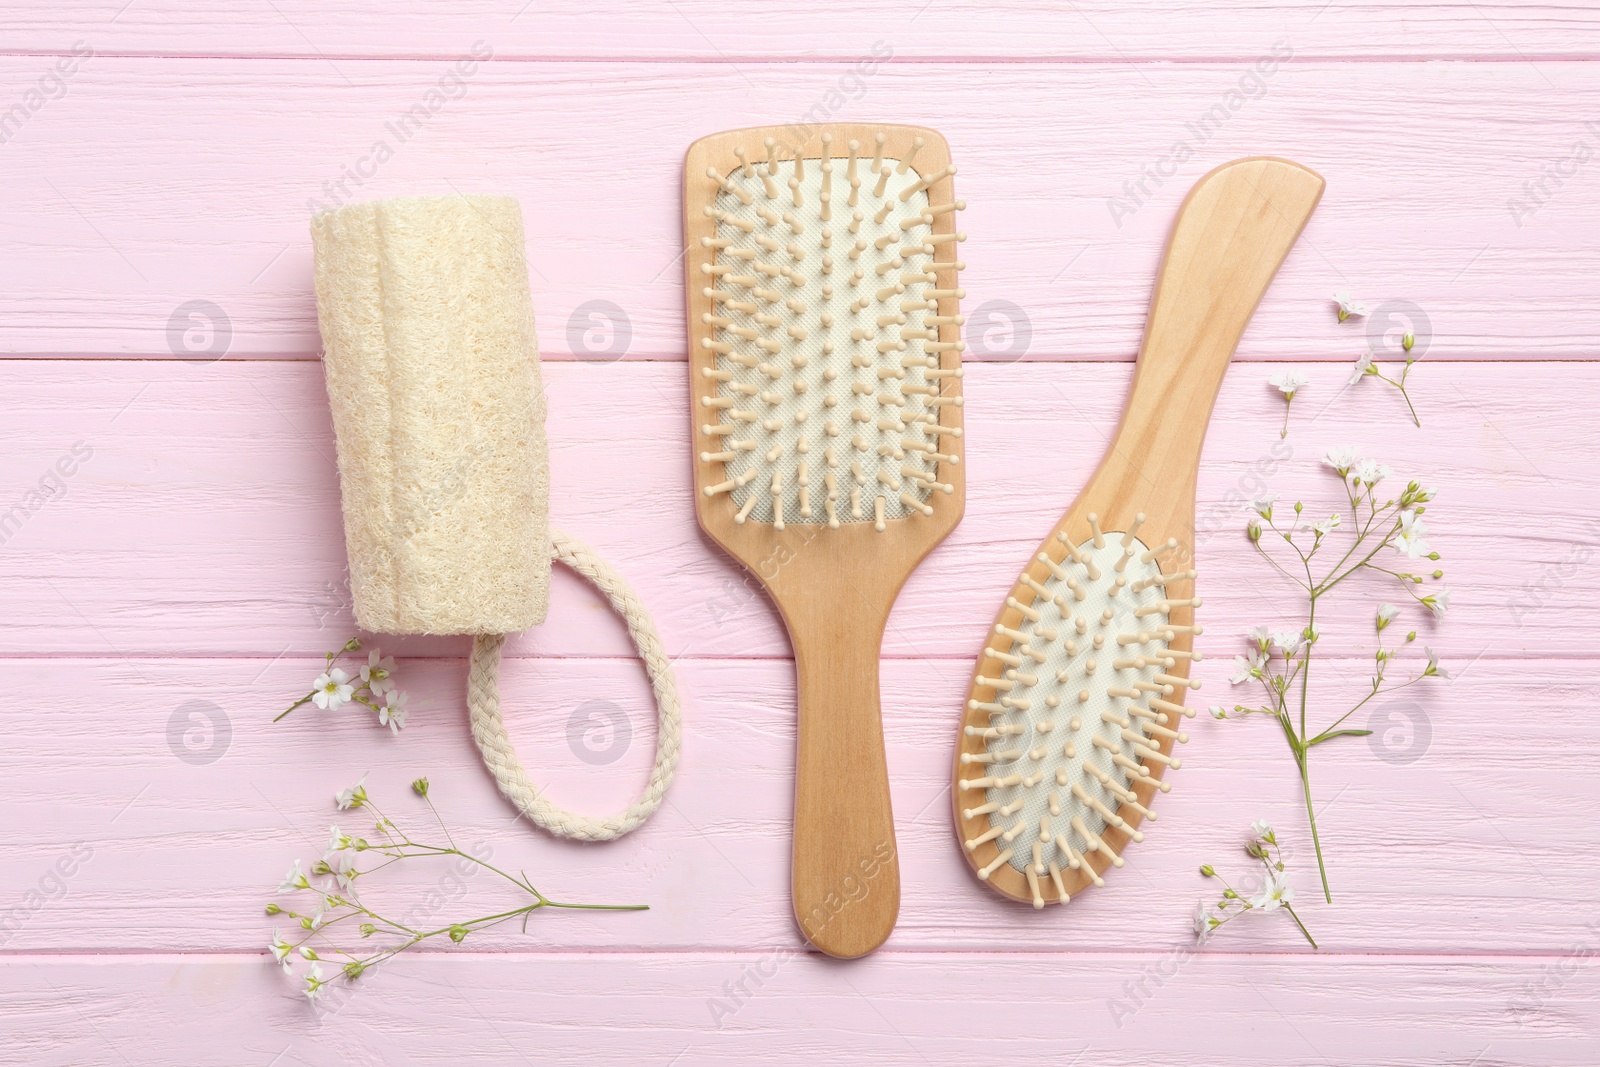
(1287, 382)
(332, 886)
(373, 681)
(1367, 367)
(1280, 660)
(1276, 892)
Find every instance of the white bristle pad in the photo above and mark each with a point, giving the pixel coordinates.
(855, 412)
(1055, 634)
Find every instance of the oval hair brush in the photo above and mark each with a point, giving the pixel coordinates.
(825, 364)
(1078, 694)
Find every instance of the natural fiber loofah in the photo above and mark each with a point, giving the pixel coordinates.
(438, 408)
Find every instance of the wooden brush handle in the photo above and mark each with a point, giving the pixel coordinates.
(846, 869)
(1233, 231)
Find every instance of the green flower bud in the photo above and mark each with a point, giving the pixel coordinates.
(367, 929)
(354, 968)
(458, 933)
(353, 645)
(1412, 636)
(1208, 870)
(273, 909)
(1408, 340)
(1433, 555)
(1438, 574)
(421, 786)
(1298, 507)
(1254, 530)
(305, 922)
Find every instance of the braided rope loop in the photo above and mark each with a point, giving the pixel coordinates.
(489, 728)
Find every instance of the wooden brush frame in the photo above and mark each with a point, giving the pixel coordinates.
(1233, 231)
(834, 587)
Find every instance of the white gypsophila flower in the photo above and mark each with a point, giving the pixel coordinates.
(1364, 367)
(1262, 505)
(378, 673)
(1288, 382)
(280, 950)
(1433, 669)
(1261, 636)
(1261, 828)
(1341, 459)
(1245, 667)
(295, 879)
(338, 841)
(1203, 926)
(1369, 472)
(1288, 640)
(332, 690)
(1386, 614)
(314, 981)
(1327, 526)
(325, 904)
(1348, 306)
(393, 713)
(353, 797)
(1277, 891)
(343, 868)
(1437, 602)
(1218, 711)
(1412, 531)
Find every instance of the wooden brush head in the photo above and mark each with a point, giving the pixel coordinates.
(827, 347)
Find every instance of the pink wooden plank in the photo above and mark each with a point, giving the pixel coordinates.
(891, 1009)
(1442, 834)
(108, 243)
(207, 520)
(745, 32)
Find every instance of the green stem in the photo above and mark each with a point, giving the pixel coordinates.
(1407, 397)
(303, 700)
(1311, 815)
(1290, 909)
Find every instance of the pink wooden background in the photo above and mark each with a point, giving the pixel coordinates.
(197, 554)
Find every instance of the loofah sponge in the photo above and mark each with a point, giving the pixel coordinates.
(438, 407)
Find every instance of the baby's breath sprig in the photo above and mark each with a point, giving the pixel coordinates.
(335, 905)
(1366, 367)
(1287, 382)
(1280, 660)
(1276, 892)
(373, 681)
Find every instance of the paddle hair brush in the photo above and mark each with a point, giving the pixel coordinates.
(825, 364)
(1078, 694)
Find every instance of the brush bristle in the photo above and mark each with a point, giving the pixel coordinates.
(824, 402)
(1087, 695)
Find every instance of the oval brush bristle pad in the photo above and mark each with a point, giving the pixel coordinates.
(826, 328)
(1084, 700)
